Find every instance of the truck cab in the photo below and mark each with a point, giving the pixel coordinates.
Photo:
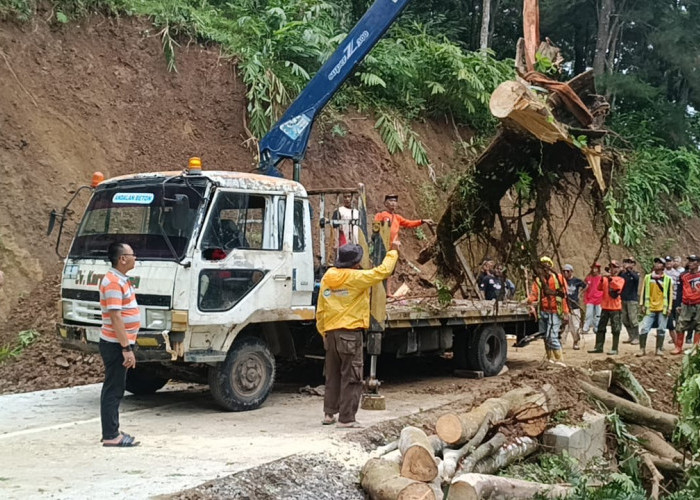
(224, 273)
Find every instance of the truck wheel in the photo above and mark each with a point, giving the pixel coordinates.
(487, 351)
(141, 381)
(244, 380)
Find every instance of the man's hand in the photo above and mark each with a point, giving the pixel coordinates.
(565, 319)
(396, 245)
(643, 310)
(129, 359)
(428, 221)
(533, 311)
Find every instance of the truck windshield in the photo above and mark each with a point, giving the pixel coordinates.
(155, 218)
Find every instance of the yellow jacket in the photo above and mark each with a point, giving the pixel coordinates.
(343, 300)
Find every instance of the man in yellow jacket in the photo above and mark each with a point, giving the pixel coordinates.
(342, 315)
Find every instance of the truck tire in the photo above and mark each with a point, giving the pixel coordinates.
(141, 381)
(487, 350)
(244, 380)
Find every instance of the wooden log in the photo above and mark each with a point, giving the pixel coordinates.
(437, 444)
(601, 378)
(382, 481)
(452, 457)
(656, 476)
(632, 412)
(623, 378)
(487, 487)
(667, 466)
(456, 429)
(383, 450)
(488, 448)
(534, 410)
(513, 100)
(655, 443)
(418, 457)
(506, 455)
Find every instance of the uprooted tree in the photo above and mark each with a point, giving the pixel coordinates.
(550, 140)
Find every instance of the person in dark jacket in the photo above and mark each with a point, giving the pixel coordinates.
(630, 300)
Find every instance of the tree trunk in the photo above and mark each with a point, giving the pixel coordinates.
(655, 475)
(382, 481)
(623, 378)
(488, 448)
(485, 20)
(451, 457)
(486, 487)
(456, 430)
(603, 39)
(655, 443)
(418, 459)
(506, 455)
(632, 412)
(602, 379)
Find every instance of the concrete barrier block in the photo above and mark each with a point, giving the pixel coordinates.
(582, 442)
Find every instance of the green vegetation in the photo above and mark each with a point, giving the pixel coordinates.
(428, 66)
(279, 44)
(25, 338)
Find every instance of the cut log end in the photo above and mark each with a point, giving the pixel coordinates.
(449, 428)
(417, 491)
(419, 464)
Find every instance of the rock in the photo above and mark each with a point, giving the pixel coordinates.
(62, 362)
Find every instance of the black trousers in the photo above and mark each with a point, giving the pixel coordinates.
(112, 388)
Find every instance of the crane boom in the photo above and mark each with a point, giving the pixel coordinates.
(289, 137)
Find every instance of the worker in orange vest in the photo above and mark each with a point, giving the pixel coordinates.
(611, 285)
(548, 303)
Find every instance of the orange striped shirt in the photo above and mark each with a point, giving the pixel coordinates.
(117, 294)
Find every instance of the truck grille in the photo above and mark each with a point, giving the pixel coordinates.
(84, 312)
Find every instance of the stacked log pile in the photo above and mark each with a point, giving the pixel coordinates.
(468, 448)
(465, 451)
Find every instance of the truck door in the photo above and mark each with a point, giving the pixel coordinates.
(302, 255)
(240, 267)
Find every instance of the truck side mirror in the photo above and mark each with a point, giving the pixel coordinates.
(52, 222)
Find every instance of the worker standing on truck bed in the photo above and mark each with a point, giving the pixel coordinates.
(548, 294)
(121, 321)
(341, 317)
(395, 221)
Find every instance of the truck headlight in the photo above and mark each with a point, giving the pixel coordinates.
(157, 319)
(67, 309)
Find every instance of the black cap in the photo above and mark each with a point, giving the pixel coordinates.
(349, 255)
(669, 258)
(391, 197)
(694, 258)
(659, 260)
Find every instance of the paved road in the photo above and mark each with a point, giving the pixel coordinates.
(49, 440)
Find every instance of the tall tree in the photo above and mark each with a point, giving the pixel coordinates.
(485, 23)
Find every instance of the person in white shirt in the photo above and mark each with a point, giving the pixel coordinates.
(345, 220)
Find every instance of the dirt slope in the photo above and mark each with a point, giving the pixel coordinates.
(96, 95)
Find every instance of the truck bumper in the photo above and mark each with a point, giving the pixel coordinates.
(150, 345)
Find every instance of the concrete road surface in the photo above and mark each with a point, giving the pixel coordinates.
(49, 440)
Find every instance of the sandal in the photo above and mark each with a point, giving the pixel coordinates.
(126, 442)
(349, 425)
(328, 421)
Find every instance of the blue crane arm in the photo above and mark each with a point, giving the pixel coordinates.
(289, 137)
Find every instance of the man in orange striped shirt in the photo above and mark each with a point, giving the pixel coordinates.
(121, 321)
